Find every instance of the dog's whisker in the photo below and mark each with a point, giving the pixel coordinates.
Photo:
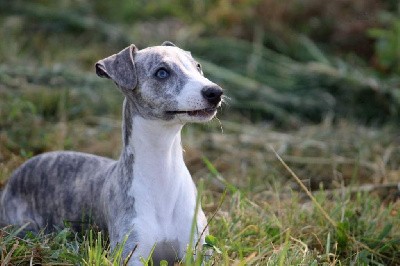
(220, 124)
(225, 100)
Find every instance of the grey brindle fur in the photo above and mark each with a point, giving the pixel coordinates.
(57, 187)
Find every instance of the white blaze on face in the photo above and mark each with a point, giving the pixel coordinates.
(190, 98)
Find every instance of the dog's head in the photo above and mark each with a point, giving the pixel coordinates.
(163, 82)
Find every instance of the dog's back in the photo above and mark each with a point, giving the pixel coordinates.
(53, 188)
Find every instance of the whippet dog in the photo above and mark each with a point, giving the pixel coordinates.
(148, 194)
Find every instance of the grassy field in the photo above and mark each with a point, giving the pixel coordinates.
(302, 165)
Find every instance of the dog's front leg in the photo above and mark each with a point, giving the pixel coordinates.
(126, 239)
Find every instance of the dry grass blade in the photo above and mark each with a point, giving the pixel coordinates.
(127, 259)
(319, 207)
(303, 187)
(7, 259)
(211, 218)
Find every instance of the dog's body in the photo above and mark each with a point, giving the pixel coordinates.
(148, 194)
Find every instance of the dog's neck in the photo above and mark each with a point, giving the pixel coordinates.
(152, 149)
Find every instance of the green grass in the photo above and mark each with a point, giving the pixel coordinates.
(247, 232)
(333, 121)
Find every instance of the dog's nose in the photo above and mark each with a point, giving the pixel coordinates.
(212, 94)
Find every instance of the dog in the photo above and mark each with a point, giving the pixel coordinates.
(147, 197)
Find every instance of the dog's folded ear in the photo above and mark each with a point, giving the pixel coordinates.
(120, 68)
(168, 43)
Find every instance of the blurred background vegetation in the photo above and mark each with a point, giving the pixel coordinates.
(288, 62)
(317, 80)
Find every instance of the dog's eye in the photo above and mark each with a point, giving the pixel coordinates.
(162, 73)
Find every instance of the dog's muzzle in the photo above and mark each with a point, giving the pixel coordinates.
(212, 94)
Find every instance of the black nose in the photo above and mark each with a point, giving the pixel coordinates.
(212, 94)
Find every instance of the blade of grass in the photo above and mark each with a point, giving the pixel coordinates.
(218, 176)
(316, 203)
(190, 251)
(319, 207)
(282, 255)
(7, 259)
(212, 217)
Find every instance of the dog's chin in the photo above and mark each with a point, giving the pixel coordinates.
(199, 116)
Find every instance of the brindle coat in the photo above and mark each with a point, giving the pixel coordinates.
(58, 187)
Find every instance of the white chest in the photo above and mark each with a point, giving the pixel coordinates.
(164, 215)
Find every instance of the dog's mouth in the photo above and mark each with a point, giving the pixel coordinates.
(201, 112)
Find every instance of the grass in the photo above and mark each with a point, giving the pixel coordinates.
(327, 196)
(248, 232)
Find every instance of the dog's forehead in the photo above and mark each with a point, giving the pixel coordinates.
(153, 56)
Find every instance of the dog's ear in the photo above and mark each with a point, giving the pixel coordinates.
(168, 43)
(120, 68)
